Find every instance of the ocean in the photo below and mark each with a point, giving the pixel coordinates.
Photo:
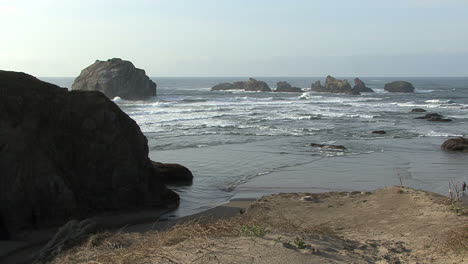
(248, 144)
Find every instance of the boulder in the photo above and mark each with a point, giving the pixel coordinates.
(456, 144)
(223, 87)
(333, 85)
(360, 87)
(380, 132)
(399, 87)
(418, 110)
(286, 87)
(116, 77)
(337, 147)
(258, 86)
(69, 155)
(173, 173)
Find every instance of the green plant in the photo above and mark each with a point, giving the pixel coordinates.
(253, 230)
(300, 243)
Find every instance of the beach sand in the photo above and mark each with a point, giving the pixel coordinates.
(391, 225)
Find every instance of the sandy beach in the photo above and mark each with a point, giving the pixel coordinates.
(390, 225)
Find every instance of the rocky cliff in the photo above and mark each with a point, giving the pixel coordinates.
(68, 155)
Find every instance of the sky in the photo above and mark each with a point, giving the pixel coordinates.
(214, 38)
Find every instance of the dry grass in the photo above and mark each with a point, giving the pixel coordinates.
(121, 247)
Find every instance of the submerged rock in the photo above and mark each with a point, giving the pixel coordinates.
(418, 110)
(456, 144)
(69, 154)
(360, 87)
(338, 147)
(116, 77)
(434, 117)
(399, 87)
(286, 87)
(380, 132)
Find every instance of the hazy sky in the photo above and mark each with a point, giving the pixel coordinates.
(238, 37)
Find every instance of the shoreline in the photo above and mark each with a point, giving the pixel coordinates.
(152, 220)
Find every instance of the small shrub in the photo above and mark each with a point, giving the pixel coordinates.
(253, 230)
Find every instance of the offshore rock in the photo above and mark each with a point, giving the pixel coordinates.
(360, 87)
(116, 77)
(223, 87)
(286, 87)
(69, 155)
(399, 87)
(258, 86)
(333, 85)
(250, 85)
(456, 144)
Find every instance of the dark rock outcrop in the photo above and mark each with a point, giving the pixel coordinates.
(399, 87)
(258, 86)
(337, 147)
(116, 77)
(360, 87)
(69, 154)
(223, 87)
(173, 173)
(418, 110)
(380, 132)
(250, 85)
(434, 117)
(317, 87)
(286, 87)
(333, 85)
(456, 144)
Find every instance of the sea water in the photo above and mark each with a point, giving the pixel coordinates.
(247, 144)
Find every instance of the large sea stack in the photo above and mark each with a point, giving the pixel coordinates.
(333, 85)
(69, 154)
(116, 77)
(399, 87)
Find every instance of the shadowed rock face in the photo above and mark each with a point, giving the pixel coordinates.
(173, 173)
(286, 87)
(333, 85)
(116, 77)
(69, 155)
(456, 144)
(399, 87)
(250, 85)
(360, 87)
